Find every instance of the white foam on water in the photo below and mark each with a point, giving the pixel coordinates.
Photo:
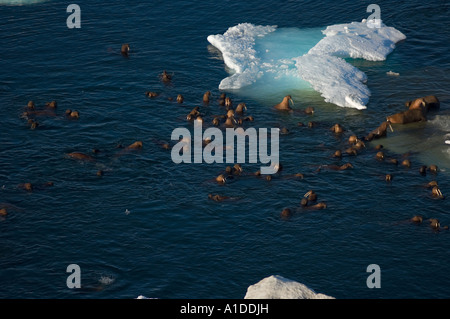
(276, 60)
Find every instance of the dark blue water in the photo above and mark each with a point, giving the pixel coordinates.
(175, 242)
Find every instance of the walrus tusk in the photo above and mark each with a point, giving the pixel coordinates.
(390, 126)
(307, 194)
(439, 192)
(292, 101)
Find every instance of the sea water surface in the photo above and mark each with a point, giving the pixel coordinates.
(147, 227)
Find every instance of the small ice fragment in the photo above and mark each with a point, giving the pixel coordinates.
(127, 212)
(447, 142)
(392, 73)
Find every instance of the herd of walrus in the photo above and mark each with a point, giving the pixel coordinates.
(417, 111)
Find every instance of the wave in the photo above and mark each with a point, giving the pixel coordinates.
(305, 58)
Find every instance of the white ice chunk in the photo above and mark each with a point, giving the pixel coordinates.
(358, 40)
(278, 287)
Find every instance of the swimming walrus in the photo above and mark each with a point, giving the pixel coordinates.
(240, 108)
(217, 197)
(335, 167)
(180, 98)
(417, 219)
(165, 77)
(52, 104)
(31, 105)
(426, 103)
(286, 213)
(409, 116)
(80, 156)
(337, 128)
(151, 94)
(436, 192)
(206, 97)
(284, 104)
(125, 49)
(134, 146)
(380, 131)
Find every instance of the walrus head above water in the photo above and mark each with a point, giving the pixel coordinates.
(241, 108)
(206, 97)
(337, 128)
(284, 104)
(125, 49)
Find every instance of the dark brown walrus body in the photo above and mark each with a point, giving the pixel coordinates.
(429, 102)
(409, 116)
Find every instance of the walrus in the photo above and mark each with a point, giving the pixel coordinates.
(81, 156)
(335, 167)
(222, 99)
(434, 223)
(52, 104)
(409, 116)
(380, 131)
(216, 121)
(27, 186)
(100, 173)
(34, 125)
(31, 105)
(237, 169)
(206, 97)
(380, 155)
(309, 110)
(165, 77)
(423, 170)
(427, 103)
(230, 121)
(180, 98)
(337, 128)
(431, 184)
(379, 147)
(417, 219)
(286, 213)
(351, 151)
(337, 154)
(406, 163)
(72, 114)
(228, 102)
(436, 192)
(352, 139)
(125, 49)
(312, 124)
(359, 145)
(310, 196)
(393, 161)
(389, 177)
(316, 206)
(151, 94)
(221, 179)
(240, 108)
(217, 197)
(284, 104)
(433, 169)
(3, 212)
(135, 145)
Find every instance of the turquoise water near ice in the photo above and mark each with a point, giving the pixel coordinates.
(175, 242)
